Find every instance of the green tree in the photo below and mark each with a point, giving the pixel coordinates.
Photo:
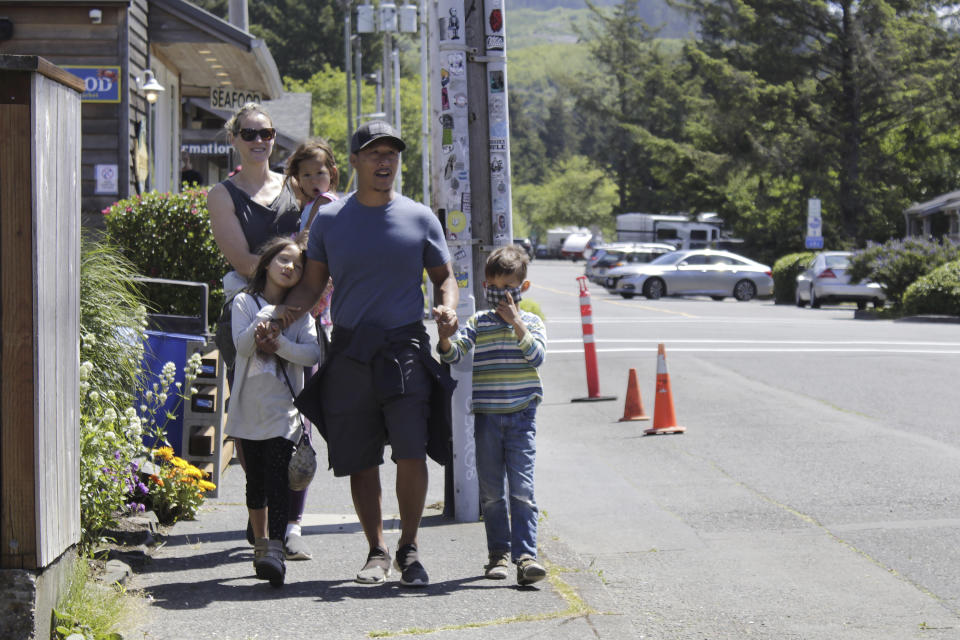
(574, 191)
(830, 99)
(638, 112)
(328, 88)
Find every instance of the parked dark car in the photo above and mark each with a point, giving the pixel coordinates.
(526, 245)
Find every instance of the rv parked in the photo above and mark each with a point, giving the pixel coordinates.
(680, 231)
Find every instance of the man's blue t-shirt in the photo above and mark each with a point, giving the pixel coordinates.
(376, 257)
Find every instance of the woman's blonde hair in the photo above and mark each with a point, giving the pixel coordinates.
(233, 124)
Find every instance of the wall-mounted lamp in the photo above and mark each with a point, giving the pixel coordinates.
(151, 88)
(96, 16)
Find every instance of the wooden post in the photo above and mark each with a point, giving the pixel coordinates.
(39, 311)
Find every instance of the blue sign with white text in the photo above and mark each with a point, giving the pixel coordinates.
(100, 84)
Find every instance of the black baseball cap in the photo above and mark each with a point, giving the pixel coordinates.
(375, 130)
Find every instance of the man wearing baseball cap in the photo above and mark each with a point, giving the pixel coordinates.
(378, 383)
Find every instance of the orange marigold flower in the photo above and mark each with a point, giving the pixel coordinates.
(164, 453)
(156, 480)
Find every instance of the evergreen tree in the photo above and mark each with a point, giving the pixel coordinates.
(830, 99)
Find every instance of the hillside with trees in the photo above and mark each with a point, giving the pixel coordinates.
(624, 106)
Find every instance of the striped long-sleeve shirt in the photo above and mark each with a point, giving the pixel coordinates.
(505, 376)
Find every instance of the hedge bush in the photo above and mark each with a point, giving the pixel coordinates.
(785, 272)
(167, 235)
(938, 292)
(896, 264)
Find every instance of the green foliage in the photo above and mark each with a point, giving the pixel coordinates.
(92, 612)
(938, 292)
(533, 307)
(574, 191)
(167, 235)
(842, 99)
(329, 93)
(896, 264)
(112, 321)
(785, 272)
(112, 430)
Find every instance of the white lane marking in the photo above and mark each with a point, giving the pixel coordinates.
(757, 350)
(910, 343)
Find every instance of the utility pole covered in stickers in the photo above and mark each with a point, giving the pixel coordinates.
(451, 196)
(471, 182)
(499, 127)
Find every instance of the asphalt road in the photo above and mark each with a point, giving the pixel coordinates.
(815, 491)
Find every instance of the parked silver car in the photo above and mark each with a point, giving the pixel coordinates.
(825, 280)
(717, 274)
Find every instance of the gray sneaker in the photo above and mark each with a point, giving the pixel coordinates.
(377, 568)
(499, 566)
(294, 548)
(529, 571)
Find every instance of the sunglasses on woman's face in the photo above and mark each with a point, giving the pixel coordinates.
(251, 134)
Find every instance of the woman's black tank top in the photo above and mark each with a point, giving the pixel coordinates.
(260, 223)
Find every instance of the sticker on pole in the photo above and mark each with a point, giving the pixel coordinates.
(456, 221)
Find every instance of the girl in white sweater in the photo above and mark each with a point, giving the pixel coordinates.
(269, 373)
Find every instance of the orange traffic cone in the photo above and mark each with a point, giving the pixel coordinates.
(633, 409)
(663, 419)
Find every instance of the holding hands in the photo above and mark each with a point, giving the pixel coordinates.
(446, 319)
(267, 335)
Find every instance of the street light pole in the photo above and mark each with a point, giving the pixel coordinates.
(347, 59)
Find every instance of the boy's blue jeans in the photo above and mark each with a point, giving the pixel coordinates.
(506, 450)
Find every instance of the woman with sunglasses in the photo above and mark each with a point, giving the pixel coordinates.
(253, 205)
(247, 210)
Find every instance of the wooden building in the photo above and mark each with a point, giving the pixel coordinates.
(937, 218)
(122, 48)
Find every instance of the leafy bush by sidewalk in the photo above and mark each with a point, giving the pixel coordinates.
(938, 292)
(167, 235)
(112, 430)
(785, 272)
(896, 264)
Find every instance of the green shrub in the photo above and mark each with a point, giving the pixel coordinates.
(785, 272)
(112, 320)
(532, 306)
(112, 430)
(167, 235)
(896, 264)
(938, 292)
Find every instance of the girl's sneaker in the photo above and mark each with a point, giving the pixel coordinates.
(529, 571)
(270, 565)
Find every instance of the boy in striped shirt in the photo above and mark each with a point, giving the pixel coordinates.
(508, 345)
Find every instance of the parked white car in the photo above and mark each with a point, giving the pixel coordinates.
(718, 274)
(625, 255)
(825, 280)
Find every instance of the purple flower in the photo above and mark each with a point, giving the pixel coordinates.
(116, 454)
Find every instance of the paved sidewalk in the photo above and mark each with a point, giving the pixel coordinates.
(202, 585)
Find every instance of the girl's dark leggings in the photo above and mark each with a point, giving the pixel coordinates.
(266, 464)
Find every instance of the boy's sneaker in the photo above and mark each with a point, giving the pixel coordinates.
(294, 548)
(529, 571)
(499, 566)
(377, 568)
(412, 573)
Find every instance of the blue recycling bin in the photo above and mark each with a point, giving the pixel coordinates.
(162, 347)
(172, 338)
